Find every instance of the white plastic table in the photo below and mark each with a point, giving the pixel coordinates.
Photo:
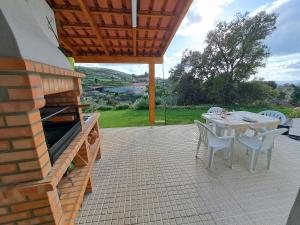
(237, 122)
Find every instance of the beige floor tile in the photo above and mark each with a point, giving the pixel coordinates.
(151, 176)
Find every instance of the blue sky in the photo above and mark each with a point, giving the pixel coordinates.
(284, 43)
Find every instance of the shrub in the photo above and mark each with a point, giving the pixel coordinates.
(295, 97)
(158, 101)
(261, 103)
(104, 107)
(112, 101)
(141, 103)
(122, 106)
(170, 100)
(92, 104)
(295, 113)
(255, 92)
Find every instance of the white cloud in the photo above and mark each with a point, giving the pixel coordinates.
(201, 18)
(269, 7)
(282, 67)
(260, 8)
(171, 60)
(275, 5)
(127, 68)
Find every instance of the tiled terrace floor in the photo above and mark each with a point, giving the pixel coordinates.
(150, 176)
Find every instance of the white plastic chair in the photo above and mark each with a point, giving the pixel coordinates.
(275, 114)
(217, 110)
(285, 122)
(221, 130)
(213, 142)
(259, 143)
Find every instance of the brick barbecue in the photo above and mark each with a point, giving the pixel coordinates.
(32, 189)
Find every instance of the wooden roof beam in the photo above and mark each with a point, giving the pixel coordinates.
(110, 27)
(75, 36)
(117, 53)
(118, 59)
(114, 46)
(93, 24)
(141, 13)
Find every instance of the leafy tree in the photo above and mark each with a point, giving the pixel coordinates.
(256, 90)
(282, 95)
(188, 91)
(112, 79)
(295, 97)
(272, 84)
(235, 50)
(186, 79)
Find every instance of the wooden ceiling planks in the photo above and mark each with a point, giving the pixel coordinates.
(103, 28)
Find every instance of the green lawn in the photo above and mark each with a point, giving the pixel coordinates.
(130, 117)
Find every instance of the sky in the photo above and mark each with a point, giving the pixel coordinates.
(284, 43)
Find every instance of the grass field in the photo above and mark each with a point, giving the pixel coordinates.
(131, 117)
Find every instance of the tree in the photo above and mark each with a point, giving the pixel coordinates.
(272, 84)
(188, 90)
(112, 78)
(282, 95)
(186, 79)
(255, 91)
(295, 97)
(235, 50)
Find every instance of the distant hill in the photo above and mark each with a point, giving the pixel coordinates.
(107, 77)
(295, 82)
(102, 72)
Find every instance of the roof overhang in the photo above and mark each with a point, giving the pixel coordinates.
(118, 31)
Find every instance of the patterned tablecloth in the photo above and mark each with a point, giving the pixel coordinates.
(239, 120)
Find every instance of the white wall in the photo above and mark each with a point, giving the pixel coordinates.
(24, 32)
(41, 10)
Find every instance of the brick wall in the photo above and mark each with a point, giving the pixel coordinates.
(68, 97)
(31, 206)
(23, 151)
(25, 87)
(56, 84)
